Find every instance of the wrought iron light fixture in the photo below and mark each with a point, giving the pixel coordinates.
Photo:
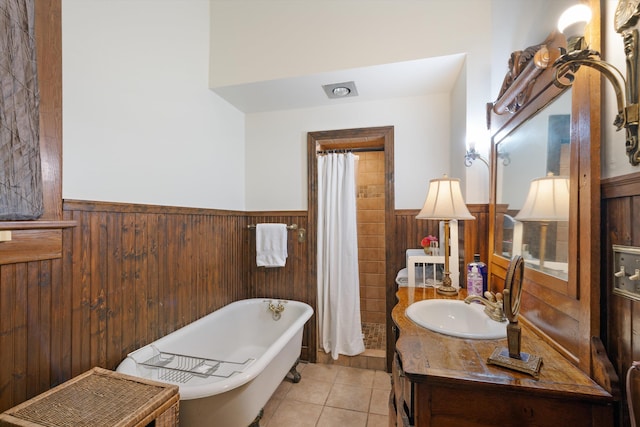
(472, 155)
(572, 24)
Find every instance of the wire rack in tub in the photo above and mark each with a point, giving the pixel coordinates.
(180, 368)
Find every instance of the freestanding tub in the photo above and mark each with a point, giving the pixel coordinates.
(228, 363)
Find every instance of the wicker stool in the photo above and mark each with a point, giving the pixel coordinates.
(99, 398)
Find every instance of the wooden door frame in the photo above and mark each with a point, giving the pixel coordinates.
(345, 139)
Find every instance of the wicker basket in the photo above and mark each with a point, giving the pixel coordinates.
(99, 398)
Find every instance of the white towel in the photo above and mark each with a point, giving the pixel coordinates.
(271, 245)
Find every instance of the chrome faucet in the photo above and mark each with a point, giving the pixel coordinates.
(493, 306)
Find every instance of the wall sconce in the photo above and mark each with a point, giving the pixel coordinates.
(572, 23)
(472, 155)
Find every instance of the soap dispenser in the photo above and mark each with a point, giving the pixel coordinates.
(474, 282)
(482, 269)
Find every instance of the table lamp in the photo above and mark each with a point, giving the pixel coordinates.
(444, 202)
(547, 201)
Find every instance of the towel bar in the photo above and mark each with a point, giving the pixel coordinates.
(302, 233)
(289, 227)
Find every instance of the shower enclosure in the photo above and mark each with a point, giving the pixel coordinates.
(374, 205)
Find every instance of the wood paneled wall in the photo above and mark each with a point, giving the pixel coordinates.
(130, 274)
(290, 282)
(139, 272)
(33, 345)
(472, 235)
(621, 226)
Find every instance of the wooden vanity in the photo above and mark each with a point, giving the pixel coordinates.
(445, 381)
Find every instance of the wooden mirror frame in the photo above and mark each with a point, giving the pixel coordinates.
(567, 313)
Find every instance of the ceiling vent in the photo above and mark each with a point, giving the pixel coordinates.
(340, 90)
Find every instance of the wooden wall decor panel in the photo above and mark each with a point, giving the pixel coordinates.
(40, 242)
(620, 226)
(48, 34)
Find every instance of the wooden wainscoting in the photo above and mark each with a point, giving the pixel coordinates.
(33, 344)
(472, 235)
(128, 275)
(132, 273)
(621, 226)
(289, 282)
(138, 272)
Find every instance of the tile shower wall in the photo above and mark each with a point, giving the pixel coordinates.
(371, 243)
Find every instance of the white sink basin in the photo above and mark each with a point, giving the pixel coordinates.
(456, 318)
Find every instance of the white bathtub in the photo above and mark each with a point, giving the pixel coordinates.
(245, 332)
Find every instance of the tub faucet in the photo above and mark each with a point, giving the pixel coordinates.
(276, 308)
(492, 305)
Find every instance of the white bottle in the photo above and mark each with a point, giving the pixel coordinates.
(474, 282)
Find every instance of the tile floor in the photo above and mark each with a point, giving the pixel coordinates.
(375, 336)
(330, 396)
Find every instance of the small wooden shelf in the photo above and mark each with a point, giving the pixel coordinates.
(32, 240)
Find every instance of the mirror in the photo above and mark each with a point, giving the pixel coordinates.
(511, 357)
(563, 305)
(513, 289)
(532, 219)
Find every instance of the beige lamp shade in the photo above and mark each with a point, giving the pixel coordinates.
(444, 201)
(548, 200)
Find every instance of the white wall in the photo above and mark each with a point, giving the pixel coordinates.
(255, 40)
(518, 24)
(141, 126)
(615, 161)
(277, 147)
(139, 122)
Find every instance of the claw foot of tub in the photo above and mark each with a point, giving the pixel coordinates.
(256, 422)
(295, 375)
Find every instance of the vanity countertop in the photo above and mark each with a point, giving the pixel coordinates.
(428, 356)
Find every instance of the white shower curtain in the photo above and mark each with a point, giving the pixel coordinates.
(338, 283)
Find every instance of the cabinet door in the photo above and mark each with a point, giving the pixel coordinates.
(403, 394)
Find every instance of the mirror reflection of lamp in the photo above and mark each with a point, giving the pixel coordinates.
(547, 201)
(444, 202)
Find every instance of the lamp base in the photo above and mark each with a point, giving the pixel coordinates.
(447, 290)
(527, 363)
